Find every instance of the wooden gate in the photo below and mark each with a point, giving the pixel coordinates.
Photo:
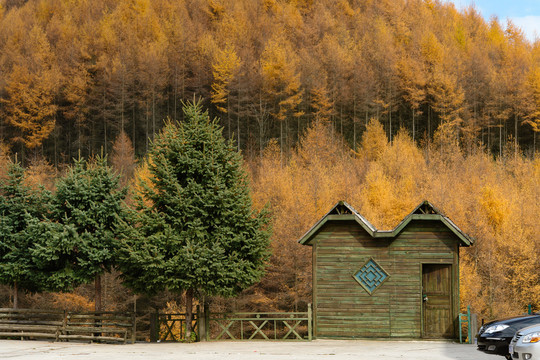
(437, 301)
(171, 327)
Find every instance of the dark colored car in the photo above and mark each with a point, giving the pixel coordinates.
(494, 337)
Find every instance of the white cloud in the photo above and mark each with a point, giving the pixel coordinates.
(529, 24)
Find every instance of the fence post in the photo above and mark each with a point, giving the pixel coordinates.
(200, 324)
(474, 326)
(460, 321)
(206, 313)
(465, 319)
(469, 323)
(134, 328)
(64, 322)
(154, 326)
(530, 309)
(309, 329)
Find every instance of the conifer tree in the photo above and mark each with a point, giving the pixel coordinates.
(88, 199)
(195, 229)
(19, 206)
(54, 251)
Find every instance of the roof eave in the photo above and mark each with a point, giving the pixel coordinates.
(371, 230)
(308, 236)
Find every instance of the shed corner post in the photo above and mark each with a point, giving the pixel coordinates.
(310, 323)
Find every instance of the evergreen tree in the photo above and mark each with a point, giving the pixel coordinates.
(20, 205)
(195, 229)
(88, 199)
(54, 255)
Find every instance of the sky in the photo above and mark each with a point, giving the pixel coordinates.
(523, 13)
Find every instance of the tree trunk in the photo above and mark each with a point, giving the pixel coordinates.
(500, 138)
(97, 299)
(413, 129)
(15, 295)
(354, 122)
(238, 120)
(281, 143)
(534, 144)
(153, 114)
(516, 135)
(189, 313)
(390, 114)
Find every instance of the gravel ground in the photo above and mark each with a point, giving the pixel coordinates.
(236, 350)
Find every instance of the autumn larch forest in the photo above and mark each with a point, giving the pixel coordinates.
(382, 103)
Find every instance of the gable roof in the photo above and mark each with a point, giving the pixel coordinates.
(424, 211)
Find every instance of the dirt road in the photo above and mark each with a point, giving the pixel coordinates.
(235, 350)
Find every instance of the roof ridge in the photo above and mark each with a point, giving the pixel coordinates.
(424, 210)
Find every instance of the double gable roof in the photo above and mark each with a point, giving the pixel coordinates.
(424, 211)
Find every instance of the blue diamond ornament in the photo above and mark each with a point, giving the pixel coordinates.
(371, 276)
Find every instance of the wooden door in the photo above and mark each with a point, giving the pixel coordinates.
(437, 301)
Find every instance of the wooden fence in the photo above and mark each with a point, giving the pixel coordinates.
(234, 326)
(260, 326)
(58, 325)
(61, 325)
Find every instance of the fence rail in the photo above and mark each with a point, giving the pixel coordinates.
(262, 326)
(61, 325)
(233, 326)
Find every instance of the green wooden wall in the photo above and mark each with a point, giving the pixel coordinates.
(343, 309)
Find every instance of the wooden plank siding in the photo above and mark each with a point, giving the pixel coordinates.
(344, 309)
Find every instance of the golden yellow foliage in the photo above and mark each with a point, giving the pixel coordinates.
(378, 192)
(445, 74)
(215, 9)
(374, 140)
(533, 117)
(281, 79)
(322, 104)
(224, 69)
(72, 302)
(432, 49)
(123, 158)
(494, 201)
(4, 159)
(41, 173)
(30, 105)
(141, 179)
(315, 177)
(494, 206)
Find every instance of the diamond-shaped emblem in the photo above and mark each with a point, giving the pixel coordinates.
(371, 276)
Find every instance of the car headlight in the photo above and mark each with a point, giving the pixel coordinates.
(495, 328)
(531, 338)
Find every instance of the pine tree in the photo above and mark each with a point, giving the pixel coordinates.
(195, 229)
(19, 206)
(54, 251)
(88, 198)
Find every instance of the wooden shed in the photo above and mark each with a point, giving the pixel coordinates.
(400, 283)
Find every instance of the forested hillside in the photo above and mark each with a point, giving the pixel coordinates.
(73, 74)
(455, 102)
(495, 201)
